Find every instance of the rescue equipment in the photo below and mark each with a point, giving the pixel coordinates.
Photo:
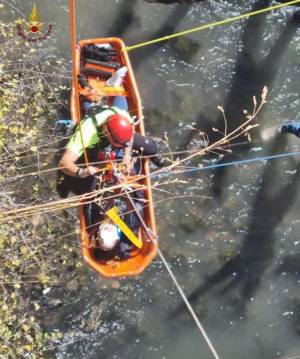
(112, 50)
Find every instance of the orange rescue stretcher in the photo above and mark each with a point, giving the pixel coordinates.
(139, 258)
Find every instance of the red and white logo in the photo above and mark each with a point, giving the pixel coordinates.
(33, 30)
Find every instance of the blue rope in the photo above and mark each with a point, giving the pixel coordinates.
(250, 160)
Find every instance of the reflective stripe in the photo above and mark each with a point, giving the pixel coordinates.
(91, 131)
(103, 116)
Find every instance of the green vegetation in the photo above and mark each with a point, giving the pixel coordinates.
(33, 251)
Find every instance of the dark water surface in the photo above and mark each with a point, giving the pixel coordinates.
(236, 254)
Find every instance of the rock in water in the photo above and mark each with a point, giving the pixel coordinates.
(186, 47)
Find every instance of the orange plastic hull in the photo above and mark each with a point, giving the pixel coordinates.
(139, 259)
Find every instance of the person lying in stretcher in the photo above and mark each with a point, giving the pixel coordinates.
(106, 236)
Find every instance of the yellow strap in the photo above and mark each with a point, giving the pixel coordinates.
(113, 215)
(105, 91)
(212, 24)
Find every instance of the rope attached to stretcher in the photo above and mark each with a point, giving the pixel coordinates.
(76, 115)
(180, 290)
(211, 25)
(232, 163)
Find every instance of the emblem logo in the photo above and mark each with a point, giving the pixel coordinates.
(33, 29)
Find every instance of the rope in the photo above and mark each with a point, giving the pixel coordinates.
(250, 160)
(181, 292)
(189, 307)
(74, 75)
(211, 25)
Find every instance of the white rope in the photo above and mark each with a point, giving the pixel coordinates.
(181, 292)
(189, 307)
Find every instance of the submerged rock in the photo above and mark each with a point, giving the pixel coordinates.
(73, 285)
(186, 47)
(95, 319)
(54, 303)
(192, 223)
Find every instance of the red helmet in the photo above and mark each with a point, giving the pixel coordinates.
(119, 130)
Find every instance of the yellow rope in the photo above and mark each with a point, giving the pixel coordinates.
(211, 25)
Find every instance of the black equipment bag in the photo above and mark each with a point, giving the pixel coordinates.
(96, 72)
(111, 65)
(93, 52)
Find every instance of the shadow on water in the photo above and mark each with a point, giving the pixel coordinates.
(251, 74)
(290, 265)
(285, 1)
(124, 18)
(246, 269)
(167, 28)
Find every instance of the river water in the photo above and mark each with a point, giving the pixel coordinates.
(235, 251)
